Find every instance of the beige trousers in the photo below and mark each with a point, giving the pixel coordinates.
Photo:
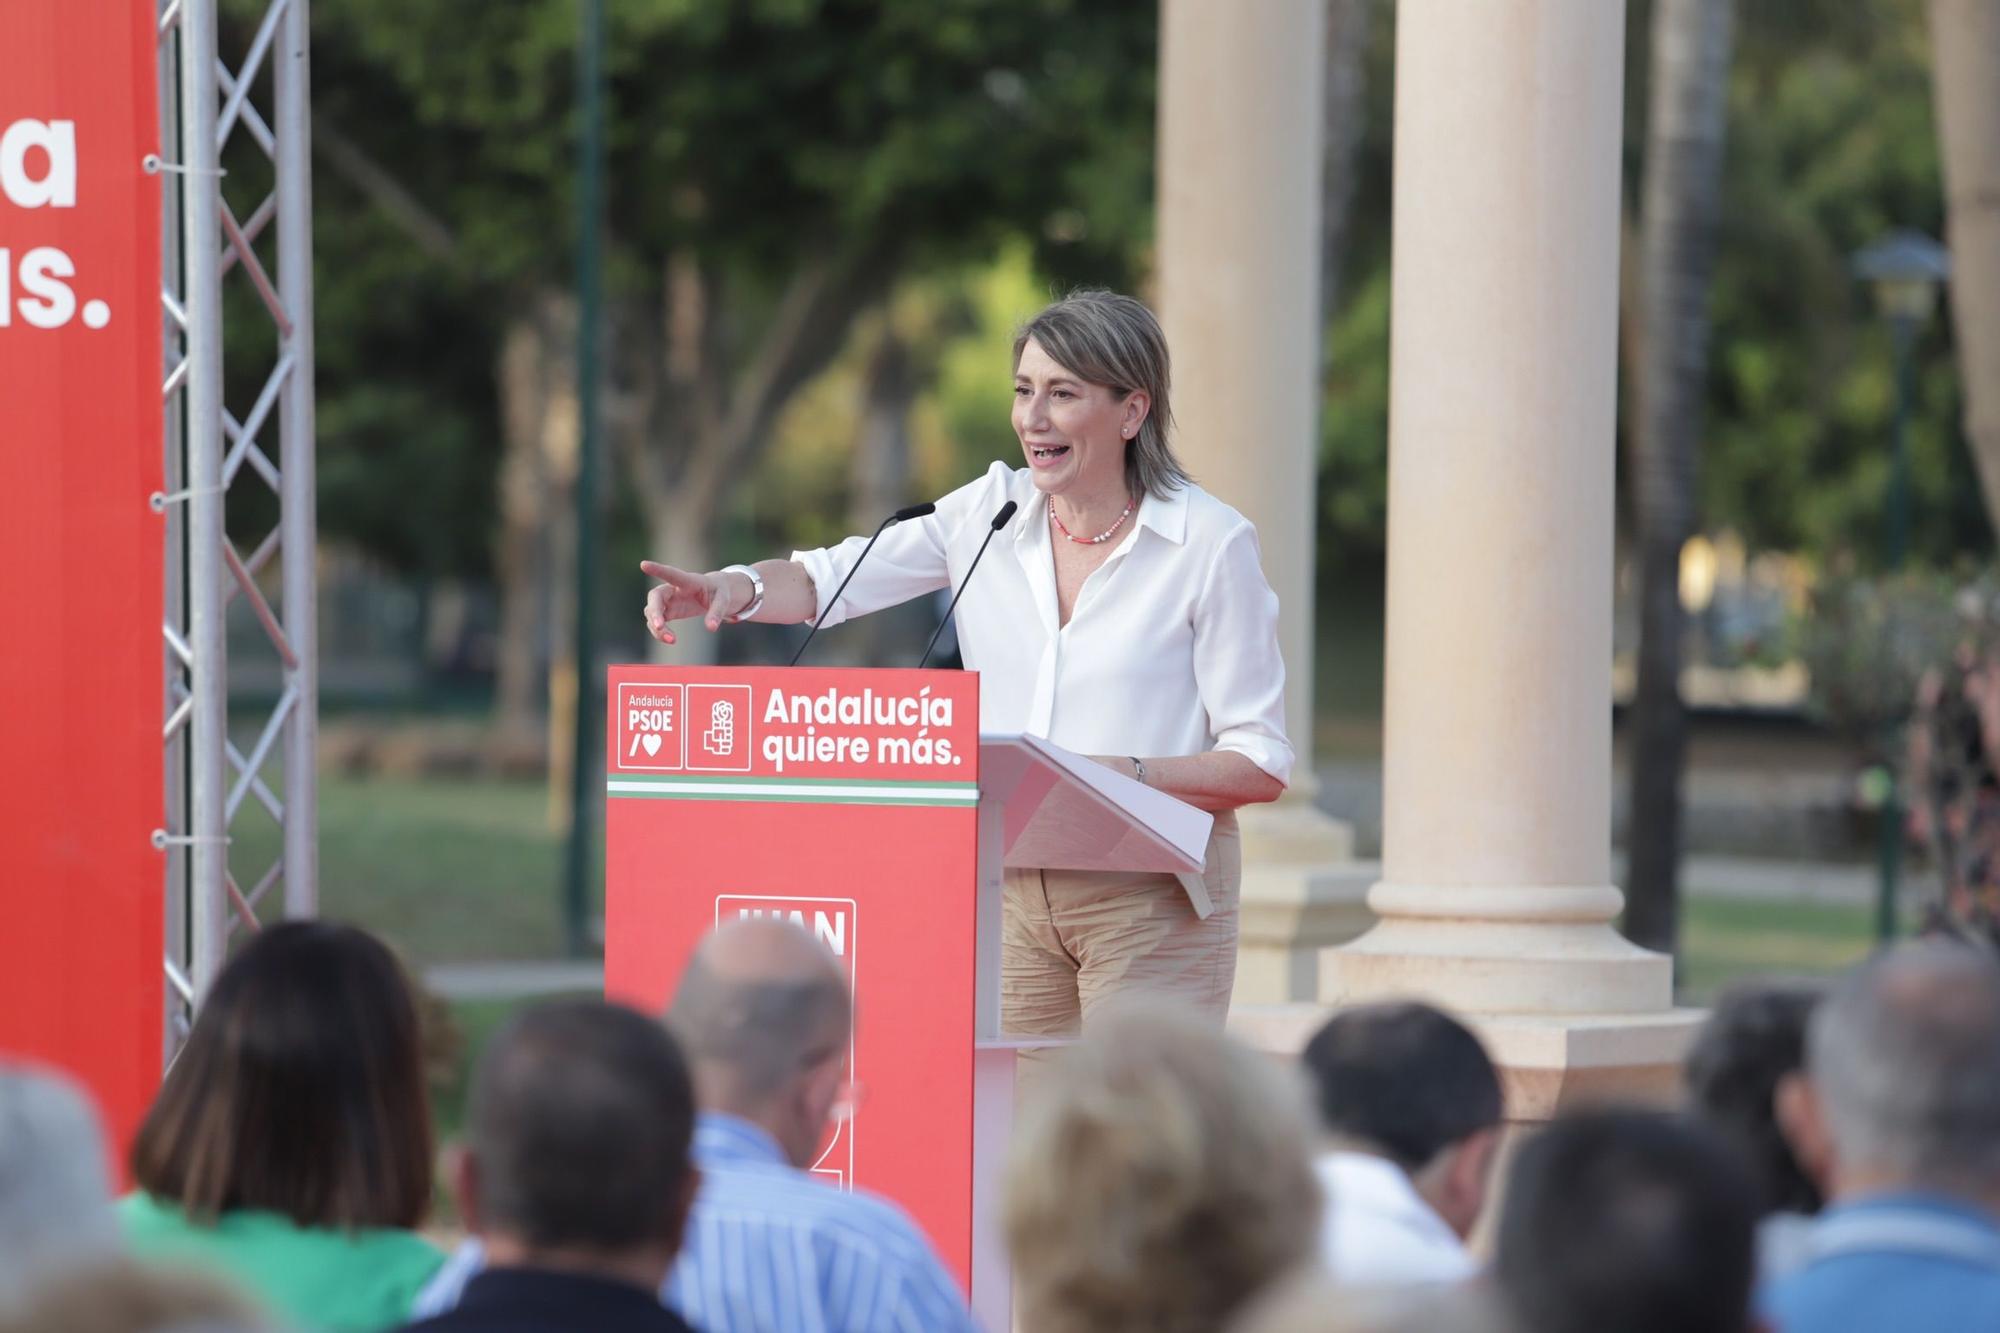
(1073, 939)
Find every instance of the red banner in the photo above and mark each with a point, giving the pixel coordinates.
(845, 801)
(80, 551)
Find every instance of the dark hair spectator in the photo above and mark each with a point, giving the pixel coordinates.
(575, 1175)
(1412, 1106)
(1744, 1061)
(1755, 1038)
(1899, 1118)
(290, 1144)
(1405, 1078)
(1629, 1220)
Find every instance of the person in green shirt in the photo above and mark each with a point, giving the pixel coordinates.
(290, 1146)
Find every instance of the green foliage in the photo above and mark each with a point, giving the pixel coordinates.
(1002, 149)
(965, 421)
(753, 130)
(1831, 143)
(1867, 642)
(749, 137)
(1354, 425)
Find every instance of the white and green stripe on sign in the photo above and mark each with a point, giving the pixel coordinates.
(822, 791)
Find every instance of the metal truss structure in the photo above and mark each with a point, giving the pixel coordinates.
(217, 780)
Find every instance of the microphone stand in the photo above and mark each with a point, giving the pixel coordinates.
(999, 522)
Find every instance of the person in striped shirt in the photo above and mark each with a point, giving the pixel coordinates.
(764, 1014)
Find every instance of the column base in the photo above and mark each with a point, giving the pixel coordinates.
(1548, 1063)
(1500, 967)
(1302, 893)
(1570, 1010)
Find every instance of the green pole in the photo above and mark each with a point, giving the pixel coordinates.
(589, 302)
(1903, 331)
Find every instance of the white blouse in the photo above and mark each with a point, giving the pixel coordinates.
(1172, 648)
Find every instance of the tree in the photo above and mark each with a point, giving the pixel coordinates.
(1346, 100)
(1832, 143)
(1965, 53)
(775, 168)
(1679, 220)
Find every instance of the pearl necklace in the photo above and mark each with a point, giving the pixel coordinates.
(1101, 537)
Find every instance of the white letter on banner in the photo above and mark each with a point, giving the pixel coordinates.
(42, 272)
(57, 188)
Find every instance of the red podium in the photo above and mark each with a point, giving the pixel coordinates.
(865, 805)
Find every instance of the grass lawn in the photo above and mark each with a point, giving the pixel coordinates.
(1728, 940)
(449, 869)
(462, 869)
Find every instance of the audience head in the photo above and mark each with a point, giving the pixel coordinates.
(1316, 1303)
(300, 1089)
(1159, 1178)
(1414, 1085)
(1753, 1042)
(55, 1195)
(1628, 1220)
(577, 1140)
(1903, 1076)
(764, 1013)
(121, 1296)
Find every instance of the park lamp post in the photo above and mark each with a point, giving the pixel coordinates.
(1905, 270)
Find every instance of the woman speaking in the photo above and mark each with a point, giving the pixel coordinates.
(1130, 621)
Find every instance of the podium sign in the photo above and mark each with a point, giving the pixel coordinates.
(844, 800)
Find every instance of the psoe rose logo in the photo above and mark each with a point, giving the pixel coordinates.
(651, 732)
(718, 728)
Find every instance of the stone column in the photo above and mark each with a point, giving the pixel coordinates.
(1496, 896)
(1238, 293)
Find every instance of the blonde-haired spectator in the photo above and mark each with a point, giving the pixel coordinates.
(1316, 1303)
(1160, 1178)
(124, 1296)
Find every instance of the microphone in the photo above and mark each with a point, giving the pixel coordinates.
(901, 515)
(999, 522)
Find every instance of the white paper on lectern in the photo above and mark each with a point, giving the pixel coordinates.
(1120, 825)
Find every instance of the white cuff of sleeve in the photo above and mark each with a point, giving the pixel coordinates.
(1275, 758)
(821, 571)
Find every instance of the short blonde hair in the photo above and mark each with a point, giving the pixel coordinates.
(124, 1296)
(1159, 1179)
(1315, 1303)
(1115, 341)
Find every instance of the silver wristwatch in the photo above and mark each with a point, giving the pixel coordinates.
(756, 591)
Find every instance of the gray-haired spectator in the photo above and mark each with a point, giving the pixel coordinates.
(55, 1193)
(1899, 1118)
(1753, 1044)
